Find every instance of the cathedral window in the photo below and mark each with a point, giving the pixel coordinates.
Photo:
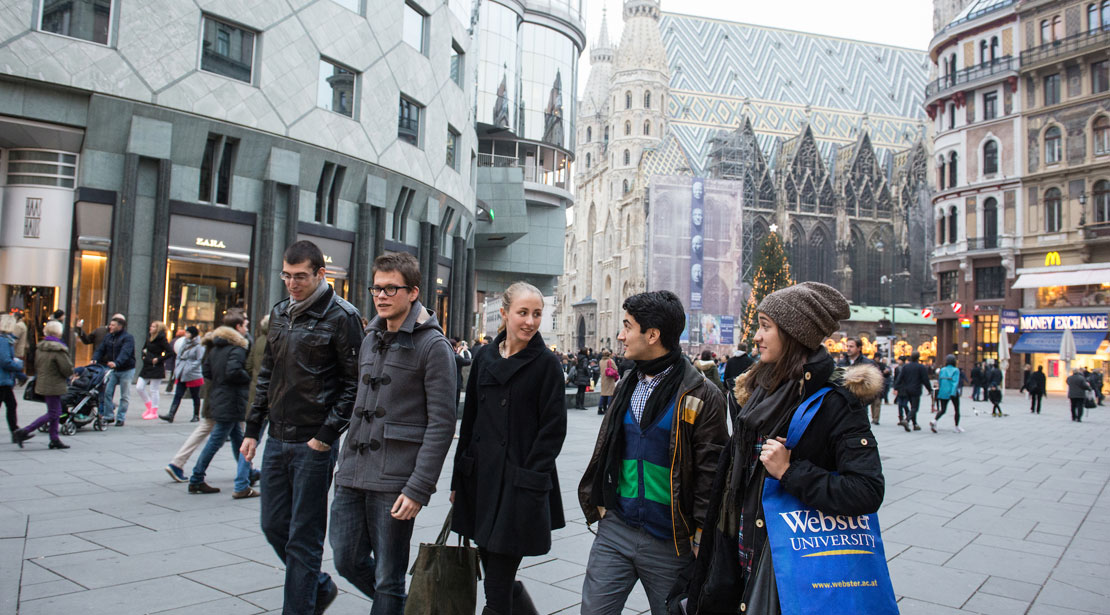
(628, 100)
(647, 100)
(990, 157)
(647, 127)
(627, 158)
(627, 130)
(589, 134)
(625, 186)
(818, 261)
(587, 160)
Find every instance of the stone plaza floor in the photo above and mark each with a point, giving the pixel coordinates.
(1009, 517)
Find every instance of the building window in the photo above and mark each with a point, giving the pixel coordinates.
(327, 192)
(628, 100)
(990, 157)
(625, 187)
(952, 176)
(1052, 145)
(986, 337)
(647, 100)
(215, 170)
(228, 50)
(1102, 135)
(984, 51)
(990, 223)
(1057, 28)
(88, 21)
(1093, 23)
(37, 167)
(1100, 77)
(990, 105)
(457, 64)
(949, 283)
(941, 172)
(627, 129)
(942, 225)
(994, 48)
(1102, 201)
(990, 282)
(1046, 32)
(953, 224)
(951, 113)
(589, 134)
(336, 91)
(408, 122)
(413, 27)
(588, 160)
(606, 136)
(1053, 211)
(627, 158)
(1052, 89)
(647, 127)
(452, 148)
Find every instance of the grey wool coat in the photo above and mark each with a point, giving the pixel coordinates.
(404, 415)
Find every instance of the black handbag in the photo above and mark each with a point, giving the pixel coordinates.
(29, 393)
(444, 578)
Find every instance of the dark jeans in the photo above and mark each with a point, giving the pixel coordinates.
(911, 412)
(603, 403)
(7, 397)
(1076, 408)
(1035, 402)
(220, 433)
(944, 407)
(295, 482)
(194, 392)
(371, 548)
(903, 407)
(975, 393)
(500, 573)
(53, 413)
(580, 397)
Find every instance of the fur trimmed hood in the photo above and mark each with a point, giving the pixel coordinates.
(228, 335)
(864, 380)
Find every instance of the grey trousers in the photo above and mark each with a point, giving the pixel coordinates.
(620, 556)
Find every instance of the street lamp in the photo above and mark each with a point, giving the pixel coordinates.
(888, 280)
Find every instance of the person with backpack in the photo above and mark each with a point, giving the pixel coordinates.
(948, 383)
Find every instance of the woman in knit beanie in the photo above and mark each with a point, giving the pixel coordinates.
(834, 468)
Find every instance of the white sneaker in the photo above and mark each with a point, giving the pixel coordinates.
(933, 426)
(959, 429)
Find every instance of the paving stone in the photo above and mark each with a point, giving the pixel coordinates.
(223, 606)
(146, 596)
(48, 589)
(989, 604)
(929, 531)
(1060, 594)
(240, 578)
(928, 556)
(932, 583)
(909, 606)
(1019, 590)
(1016, 544)
(11, 563)
(103, 567)
(1003, 563)
(135, 540)
(989, 520)
(552, 571)
(56, 545)
(34, 574)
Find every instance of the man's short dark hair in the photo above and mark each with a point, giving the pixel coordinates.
(742, 347)
(304, 251)
(401, 262)
(233, 318)
(915, 356)
(853, 340)
(660, 309)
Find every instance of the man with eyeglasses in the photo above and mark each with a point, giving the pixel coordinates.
(402, 426)
(306, 389)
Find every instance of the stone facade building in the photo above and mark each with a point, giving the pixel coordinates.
(835, 159)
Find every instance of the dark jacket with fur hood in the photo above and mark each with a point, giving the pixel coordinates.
(835, 468)
(225, 371)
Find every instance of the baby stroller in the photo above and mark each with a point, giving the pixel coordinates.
(81, 402)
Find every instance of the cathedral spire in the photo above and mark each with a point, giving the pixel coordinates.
(602, 51)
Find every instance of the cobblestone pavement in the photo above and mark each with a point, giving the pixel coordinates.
(1009, 517)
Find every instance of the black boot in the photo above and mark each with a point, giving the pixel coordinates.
(196, 417)
(58, 444)
(20, 436)
(522, 602)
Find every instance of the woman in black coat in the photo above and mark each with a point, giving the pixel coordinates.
(155, 352)
(505, 487)
(834, 467)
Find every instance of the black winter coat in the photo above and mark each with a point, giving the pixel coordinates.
(225, 371)
(911, 378)
(835, 468)
(159, 349)
(507, 496)
(1037, 383)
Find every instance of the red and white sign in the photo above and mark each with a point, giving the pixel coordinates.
(927, 312)
(957, 307)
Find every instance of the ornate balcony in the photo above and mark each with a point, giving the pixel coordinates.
(969, 76)
(1089, 40)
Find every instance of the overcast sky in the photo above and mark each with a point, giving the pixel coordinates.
(905, 23)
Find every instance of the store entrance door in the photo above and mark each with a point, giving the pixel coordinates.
(36, 304)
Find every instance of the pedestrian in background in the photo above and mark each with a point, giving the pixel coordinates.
(155, 351)
(117, 352)
(92, 338)
(52, 371)
(22, 335)
(505, 486)
(581, 379)
(911, 378)
(1036, 388)
(608, 380)
(992, 380)
(11, 370)
(948, 382)
(1077, 393)
(708, 368)
(463, 359)
(188, 372)
(977, 382)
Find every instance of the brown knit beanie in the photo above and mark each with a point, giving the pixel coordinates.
(809, 312)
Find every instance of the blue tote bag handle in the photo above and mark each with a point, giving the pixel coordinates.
(824, 564)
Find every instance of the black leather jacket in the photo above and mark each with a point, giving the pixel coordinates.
(309, 375)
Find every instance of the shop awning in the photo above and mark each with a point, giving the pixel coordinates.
(1048, 342)
(1063, 277)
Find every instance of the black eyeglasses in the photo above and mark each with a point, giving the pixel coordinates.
(390, 291)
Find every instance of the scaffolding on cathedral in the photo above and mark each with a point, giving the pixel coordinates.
(732, 156)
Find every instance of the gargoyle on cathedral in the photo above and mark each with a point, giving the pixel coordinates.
(826, 136)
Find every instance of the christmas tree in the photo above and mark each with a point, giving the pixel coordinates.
(772, 272)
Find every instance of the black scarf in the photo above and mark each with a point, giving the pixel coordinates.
(663, 392)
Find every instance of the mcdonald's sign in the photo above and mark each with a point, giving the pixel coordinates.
(1052, 259)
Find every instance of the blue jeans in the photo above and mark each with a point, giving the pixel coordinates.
(220, 433)
(123, 379)
(295, 483)
(371, 548)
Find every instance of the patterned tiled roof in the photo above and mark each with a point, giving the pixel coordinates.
(667, 158)
(781, 79)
